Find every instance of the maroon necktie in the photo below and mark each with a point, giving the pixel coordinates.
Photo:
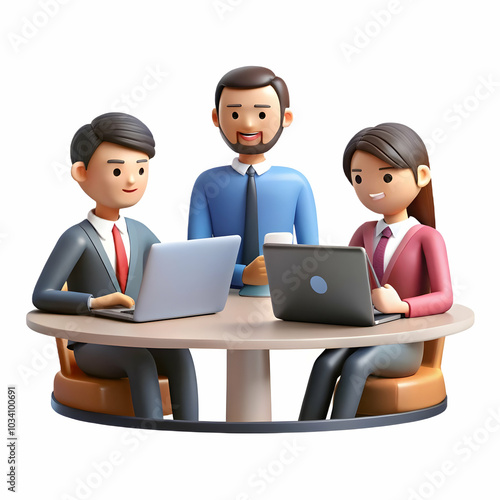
(378, 256)
(121, 259)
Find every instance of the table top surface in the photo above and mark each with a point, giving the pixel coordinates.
(246, 323)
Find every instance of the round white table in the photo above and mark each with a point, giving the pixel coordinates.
(247, 329)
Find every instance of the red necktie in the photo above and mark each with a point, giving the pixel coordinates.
(378, 256)
(121, 259)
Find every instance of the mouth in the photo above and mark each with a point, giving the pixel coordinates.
(377, 196)
(129, 190)
(250, 137)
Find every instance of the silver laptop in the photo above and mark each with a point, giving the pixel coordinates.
(186, 278)
(322, 284)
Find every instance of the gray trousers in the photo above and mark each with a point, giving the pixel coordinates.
(142, 367)
(354, 365)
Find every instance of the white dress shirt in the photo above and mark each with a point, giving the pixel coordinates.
(104, 230)
(260, 168)
(399, 230)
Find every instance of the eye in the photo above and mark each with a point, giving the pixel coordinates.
(262, 115)
(387, 178)
(235, 115)
(141, 171)
(358, 179)
(117, 172)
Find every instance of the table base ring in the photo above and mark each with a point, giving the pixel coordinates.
(248, 427)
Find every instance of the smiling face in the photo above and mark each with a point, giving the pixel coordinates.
(250, 119)
(385, 189)
(116, 177)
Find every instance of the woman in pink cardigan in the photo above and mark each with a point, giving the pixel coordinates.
(389, 169)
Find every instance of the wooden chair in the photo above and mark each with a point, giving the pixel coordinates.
(426, 388)
(75, 389)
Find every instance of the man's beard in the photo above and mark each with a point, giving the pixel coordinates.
(252, 150)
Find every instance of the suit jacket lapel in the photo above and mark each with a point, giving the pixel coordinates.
(368, 235)
(94, 238)
(408, 236)
(134, 252)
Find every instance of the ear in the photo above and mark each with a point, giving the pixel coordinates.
(287, 118)
(215, 118)
(78, 171)
(423, 176)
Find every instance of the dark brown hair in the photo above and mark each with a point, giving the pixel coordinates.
(118, 128)
(253, 77)
(400, 147)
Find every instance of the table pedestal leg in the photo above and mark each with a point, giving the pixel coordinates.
(248, 397)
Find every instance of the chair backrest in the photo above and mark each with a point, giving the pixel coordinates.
(67, 359)
(433, 353)
(66, 356)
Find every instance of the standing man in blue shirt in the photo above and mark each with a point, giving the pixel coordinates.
(250, 197)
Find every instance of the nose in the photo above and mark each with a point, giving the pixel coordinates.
(131, 178)
(248, 123)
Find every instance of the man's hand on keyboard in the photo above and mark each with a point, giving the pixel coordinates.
(112, 300)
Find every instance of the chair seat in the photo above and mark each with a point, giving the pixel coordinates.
(383, 396)
(76, 389)
(111, 396)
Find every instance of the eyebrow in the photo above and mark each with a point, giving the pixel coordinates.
(234, 105)
(387, 168)
(356, 170)
(143, 160)
(116, 161)
(261, 106)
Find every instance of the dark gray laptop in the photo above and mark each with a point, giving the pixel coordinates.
(322, 284)
(184, 278)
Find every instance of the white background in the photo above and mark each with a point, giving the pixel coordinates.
(431, 65)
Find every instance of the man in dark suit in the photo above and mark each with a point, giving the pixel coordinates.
(102, 261)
